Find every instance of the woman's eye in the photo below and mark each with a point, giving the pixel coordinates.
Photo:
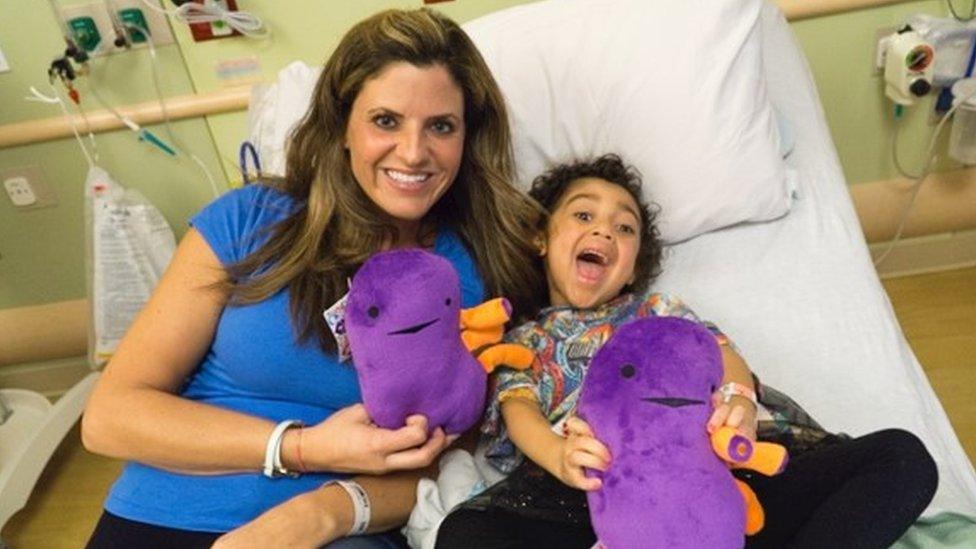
(583, 216)
(384, 121)
(442, 127)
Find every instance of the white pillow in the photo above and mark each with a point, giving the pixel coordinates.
(676, 87)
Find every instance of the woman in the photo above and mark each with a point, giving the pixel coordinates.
(406, 144)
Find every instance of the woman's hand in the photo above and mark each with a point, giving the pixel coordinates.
(578, 450)
(348, 442)
(739, 413)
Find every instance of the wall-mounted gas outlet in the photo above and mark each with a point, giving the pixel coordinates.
(90, 27)
(93, 30)
(137, 14)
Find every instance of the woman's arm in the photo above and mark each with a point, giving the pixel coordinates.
(326, 514)
(565, 457)
(135, 414)
(739, 412)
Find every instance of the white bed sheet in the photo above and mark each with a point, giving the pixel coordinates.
(801, 299)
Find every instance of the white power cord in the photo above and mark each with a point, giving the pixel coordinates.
(56, 99)
(962, 18)
(246, 23)
(921, 177)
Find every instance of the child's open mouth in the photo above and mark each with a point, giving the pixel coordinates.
(591, 265)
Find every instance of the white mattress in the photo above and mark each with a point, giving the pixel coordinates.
(802, 301)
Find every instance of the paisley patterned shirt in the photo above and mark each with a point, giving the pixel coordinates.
(564, 339)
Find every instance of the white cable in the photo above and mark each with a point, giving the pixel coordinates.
(894, 151)
(166, 118)
(88, 128)
(162, 107)
(957, 17)
(56, 99)
(246, 23)
(926, 170)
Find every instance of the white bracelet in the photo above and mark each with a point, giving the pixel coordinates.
(725, 393)
(360, 505)
(273, 468)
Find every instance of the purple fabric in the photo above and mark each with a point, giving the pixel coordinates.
(647, 397)
(403, 323)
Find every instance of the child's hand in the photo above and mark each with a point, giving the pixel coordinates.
(578, 450)
(739, 413)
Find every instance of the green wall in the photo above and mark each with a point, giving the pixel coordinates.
(840, 50)
(41, 251)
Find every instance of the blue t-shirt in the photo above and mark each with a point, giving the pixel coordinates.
(255, 366)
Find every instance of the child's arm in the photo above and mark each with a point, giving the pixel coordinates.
(565, 457)
(739, 412)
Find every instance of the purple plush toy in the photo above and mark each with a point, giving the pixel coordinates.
(647, 396)
(402, 320)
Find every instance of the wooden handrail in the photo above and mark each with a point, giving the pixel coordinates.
(150, 112)
(796, 10)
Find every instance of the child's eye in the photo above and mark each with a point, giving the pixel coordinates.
(384, 121)
(627, 229)
(583, 216)
(443, 127)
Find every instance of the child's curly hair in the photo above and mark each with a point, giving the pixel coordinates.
(549, 187)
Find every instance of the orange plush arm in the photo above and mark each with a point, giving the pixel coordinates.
(740, 452)
(505, 354)
(485, 323)
(481, 331)
(490, 314)
(755, 515)
(767, 458)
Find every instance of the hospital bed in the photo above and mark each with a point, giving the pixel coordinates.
(799, 295)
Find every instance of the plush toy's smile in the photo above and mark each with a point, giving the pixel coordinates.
(413, 329)
(673, 402)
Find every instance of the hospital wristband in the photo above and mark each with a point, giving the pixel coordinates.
(360, 505)
(273, 468)
(725, 393)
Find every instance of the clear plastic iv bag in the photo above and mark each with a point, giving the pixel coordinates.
(129, 245)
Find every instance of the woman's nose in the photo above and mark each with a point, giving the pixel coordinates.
(412, 148)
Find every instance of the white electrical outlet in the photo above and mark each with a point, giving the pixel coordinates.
(4, 66)
(20, 191)
(27, 189)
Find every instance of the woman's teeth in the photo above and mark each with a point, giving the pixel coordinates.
(406, 178)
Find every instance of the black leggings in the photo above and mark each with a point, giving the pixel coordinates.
(861, 493)
(115, 532)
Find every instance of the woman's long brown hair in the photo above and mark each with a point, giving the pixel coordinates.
(337, 227)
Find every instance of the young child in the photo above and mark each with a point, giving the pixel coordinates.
(600, 251)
